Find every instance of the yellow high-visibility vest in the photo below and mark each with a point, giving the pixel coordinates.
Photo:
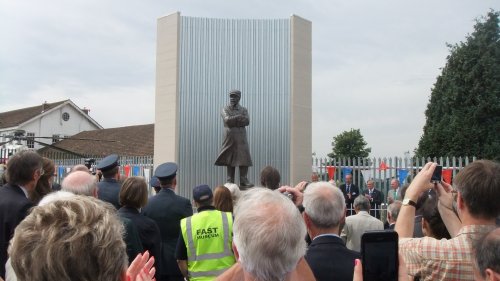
(208, 238)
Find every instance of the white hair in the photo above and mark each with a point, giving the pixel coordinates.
(324, 204)
(235, 191)
(54, 196)
(79, 182)
(269, 234)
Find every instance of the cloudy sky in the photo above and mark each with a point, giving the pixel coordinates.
(374, 62)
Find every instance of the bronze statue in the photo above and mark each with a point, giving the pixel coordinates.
(235, 151)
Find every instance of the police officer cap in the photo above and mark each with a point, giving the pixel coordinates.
(154, 182)
(235, 92)
(166, 171)
(108, 162)
(202, 193)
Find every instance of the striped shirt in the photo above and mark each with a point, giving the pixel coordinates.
(443, 259)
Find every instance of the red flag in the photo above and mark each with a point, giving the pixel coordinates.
(331, 171)
(382, 166)
(446, 173)
(127, 170)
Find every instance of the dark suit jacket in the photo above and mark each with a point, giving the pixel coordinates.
(148, 231)
(330, 260)
(14, 208)
(109, 191)
(167, 209)
(354, 190)
(377, 197)
(131, 239)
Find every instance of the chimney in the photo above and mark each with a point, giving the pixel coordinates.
(44, 106)
(86, 110)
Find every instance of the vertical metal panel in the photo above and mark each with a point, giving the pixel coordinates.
(217, 55)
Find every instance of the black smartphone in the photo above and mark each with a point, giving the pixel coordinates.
(379, 252)
(436, 176)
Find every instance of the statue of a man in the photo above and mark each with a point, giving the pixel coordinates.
(235, 152)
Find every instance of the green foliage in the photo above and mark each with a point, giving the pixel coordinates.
(463, 114)
(349, 144)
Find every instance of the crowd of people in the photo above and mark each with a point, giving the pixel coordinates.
(111, 228)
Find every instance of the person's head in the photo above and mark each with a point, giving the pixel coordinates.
(134, 192)
(235, 191)
(80, 167)
(432, 223)
(314, 177)
(370, 184)
(78, 238)
(234, 97)
(477, 185)
(49, 170)
(166, 174)
(403, 190)
(25, 168)
(270, 178)
(394, 184)
(324, 206)
(223, 200)
(348, 179)
(155, 184)
(202, 195)
(80, 182)
(361, 203)
(268, 234)
(44, 184)
(487, 256)
(393, 211)
(109, 167)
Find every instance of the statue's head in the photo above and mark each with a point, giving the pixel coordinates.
(234, 97)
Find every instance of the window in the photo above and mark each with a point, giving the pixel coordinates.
(55, 138)
(30, 140)
(65, 116)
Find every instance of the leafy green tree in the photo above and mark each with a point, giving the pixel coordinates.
(349, 144)
(463, 114)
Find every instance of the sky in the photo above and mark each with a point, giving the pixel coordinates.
(374, 63)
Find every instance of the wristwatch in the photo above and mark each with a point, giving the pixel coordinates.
(409, 202)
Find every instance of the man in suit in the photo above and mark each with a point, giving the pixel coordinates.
(109, 187)
(375, 197)
(324, 211)
(167, 209)
(358, 224)
(394, 193)
(24, 170)
(350, 191)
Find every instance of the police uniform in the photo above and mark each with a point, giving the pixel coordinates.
(155, 184)
(167, 209)
(109, 188)
(206, 240)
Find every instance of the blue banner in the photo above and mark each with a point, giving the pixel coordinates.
(61, 171)
(345, 172)
(402, 176)
(136, 171)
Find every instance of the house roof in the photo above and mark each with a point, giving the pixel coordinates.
(16, 117)
(127, 141)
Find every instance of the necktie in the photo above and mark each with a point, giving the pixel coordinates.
(348, 188)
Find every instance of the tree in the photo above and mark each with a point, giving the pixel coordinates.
(463, 113)
(349, 144)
